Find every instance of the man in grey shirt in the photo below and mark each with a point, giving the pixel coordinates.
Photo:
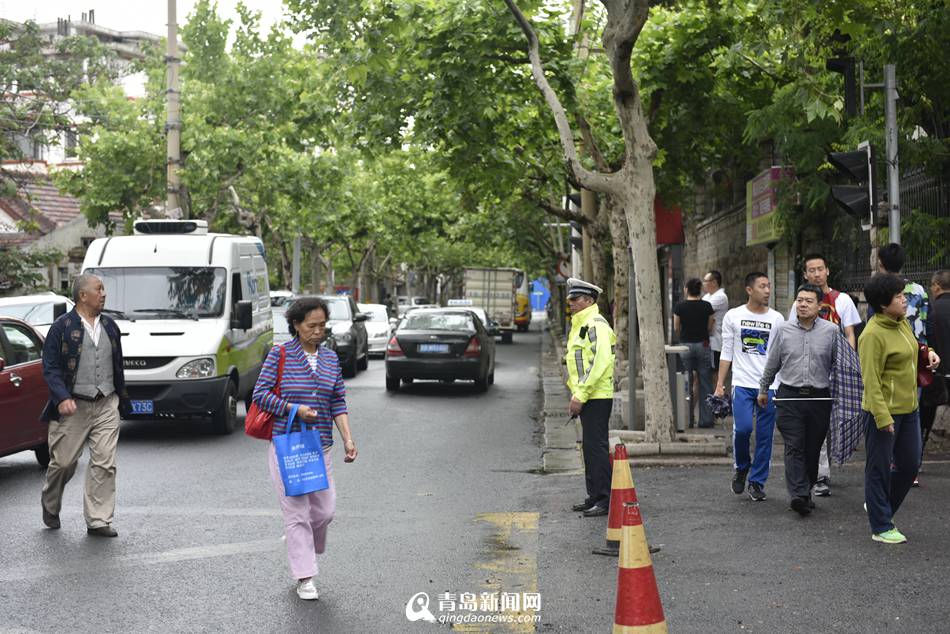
(803, 351)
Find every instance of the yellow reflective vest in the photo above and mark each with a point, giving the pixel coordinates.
(591, 347)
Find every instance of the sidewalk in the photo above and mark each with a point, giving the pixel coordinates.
(562, 451)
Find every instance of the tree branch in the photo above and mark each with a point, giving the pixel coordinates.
(588, 179)
(591, 144)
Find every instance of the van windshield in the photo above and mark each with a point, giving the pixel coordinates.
(164, 292)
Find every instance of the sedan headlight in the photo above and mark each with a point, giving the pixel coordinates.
(197, 369)
(343, 337)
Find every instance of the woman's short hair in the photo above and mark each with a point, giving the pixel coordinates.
(880, 290)
(299, 310)
(694, 286)
(810, 288)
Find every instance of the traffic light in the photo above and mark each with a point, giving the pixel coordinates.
(577, 241)
(858, 200)
(845, 66)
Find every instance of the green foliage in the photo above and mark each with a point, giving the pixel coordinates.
(35, 86)
(923, 233)
(18, 269)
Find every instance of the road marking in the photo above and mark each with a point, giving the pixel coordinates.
(512, 566)
(59, 569)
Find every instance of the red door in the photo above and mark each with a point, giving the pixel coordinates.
(23, 391)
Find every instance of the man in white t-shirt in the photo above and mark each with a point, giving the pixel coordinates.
(839, 309)
(746, 336)
(716, 296)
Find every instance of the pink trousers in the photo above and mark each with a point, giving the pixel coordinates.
(306, 518)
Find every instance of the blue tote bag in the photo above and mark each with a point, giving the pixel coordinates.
(300, 459)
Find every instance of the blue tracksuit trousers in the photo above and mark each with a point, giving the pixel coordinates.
(745, 412)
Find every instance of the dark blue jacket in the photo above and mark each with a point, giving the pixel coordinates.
(61, 360)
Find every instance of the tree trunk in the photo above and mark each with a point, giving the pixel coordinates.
(619, 239)
(316, 266)
(633, 186)
(286, 265)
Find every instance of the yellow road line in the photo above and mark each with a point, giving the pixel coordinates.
(512, 567)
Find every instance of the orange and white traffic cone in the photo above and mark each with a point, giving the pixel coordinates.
(639, 609)
(621, 491)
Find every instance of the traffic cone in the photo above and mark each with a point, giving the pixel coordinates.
(621, 491)
(639, 609)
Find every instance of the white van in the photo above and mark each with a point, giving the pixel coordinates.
(195, 316)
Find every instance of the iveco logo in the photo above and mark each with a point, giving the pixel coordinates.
(135, 363)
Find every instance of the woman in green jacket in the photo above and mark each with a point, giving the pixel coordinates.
(888, 352)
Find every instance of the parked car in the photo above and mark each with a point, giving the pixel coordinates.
(280, 297)
(378, 327)
(348, 325)
(443, 344)
(40, 310)
(23, 391)
(403, 302)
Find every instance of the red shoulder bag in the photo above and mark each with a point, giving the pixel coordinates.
(259, 423)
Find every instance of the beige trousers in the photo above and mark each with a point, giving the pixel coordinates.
(98, 423)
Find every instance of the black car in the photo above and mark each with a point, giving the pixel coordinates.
(442, 344)
(349, 333)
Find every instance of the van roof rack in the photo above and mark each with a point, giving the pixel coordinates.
(164, 226)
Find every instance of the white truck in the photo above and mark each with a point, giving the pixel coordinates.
(195, 316)
(494, 290)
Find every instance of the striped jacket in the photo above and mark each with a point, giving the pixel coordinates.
(322, 391)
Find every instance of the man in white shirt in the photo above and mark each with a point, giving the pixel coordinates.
(716, 296)
(746, 336)
(839, 309)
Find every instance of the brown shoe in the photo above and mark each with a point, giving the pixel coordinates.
(51, 521)
(103, 531)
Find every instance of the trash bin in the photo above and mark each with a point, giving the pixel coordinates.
(679, 385)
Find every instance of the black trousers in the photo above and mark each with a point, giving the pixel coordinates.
(595, 424)
(803, 425)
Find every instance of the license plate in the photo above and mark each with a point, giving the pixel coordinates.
(143, 407)
(434, 347)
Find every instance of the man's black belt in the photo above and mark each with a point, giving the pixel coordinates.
(91, 399)
(806, 391)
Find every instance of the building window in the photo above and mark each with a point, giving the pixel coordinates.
(72, 143)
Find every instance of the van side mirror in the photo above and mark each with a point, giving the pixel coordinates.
(243, 317)
(59, 309)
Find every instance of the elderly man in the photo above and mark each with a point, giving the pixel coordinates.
(590, 372)
(82, 365)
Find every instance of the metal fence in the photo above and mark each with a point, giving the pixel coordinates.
(919, 192)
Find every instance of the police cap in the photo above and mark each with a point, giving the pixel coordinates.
(576, 288)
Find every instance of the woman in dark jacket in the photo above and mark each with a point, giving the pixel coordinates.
(312, 380)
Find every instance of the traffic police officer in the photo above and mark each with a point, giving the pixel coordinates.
(590, 372)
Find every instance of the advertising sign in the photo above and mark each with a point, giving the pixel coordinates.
(762, 204)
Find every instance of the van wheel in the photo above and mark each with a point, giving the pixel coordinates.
(224, 420)
(506, 336)
(42, 454)
(392, 385)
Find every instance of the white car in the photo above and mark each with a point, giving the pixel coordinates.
(378, 327)
(40, 310)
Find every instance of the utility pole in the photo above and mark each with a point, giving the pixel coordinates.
(173, 117)
(893, 173)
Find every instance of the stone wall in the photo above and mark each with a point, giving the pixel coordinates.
(719, 243)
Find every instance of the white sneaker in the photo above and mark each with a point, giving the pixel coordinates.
(306, 590)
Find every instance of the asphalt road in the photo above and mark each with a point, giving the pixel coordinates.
(446, 498)
(433, 504)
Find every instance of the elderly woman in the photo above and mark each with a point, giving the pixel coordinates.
(312, 380)
(888, 352)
